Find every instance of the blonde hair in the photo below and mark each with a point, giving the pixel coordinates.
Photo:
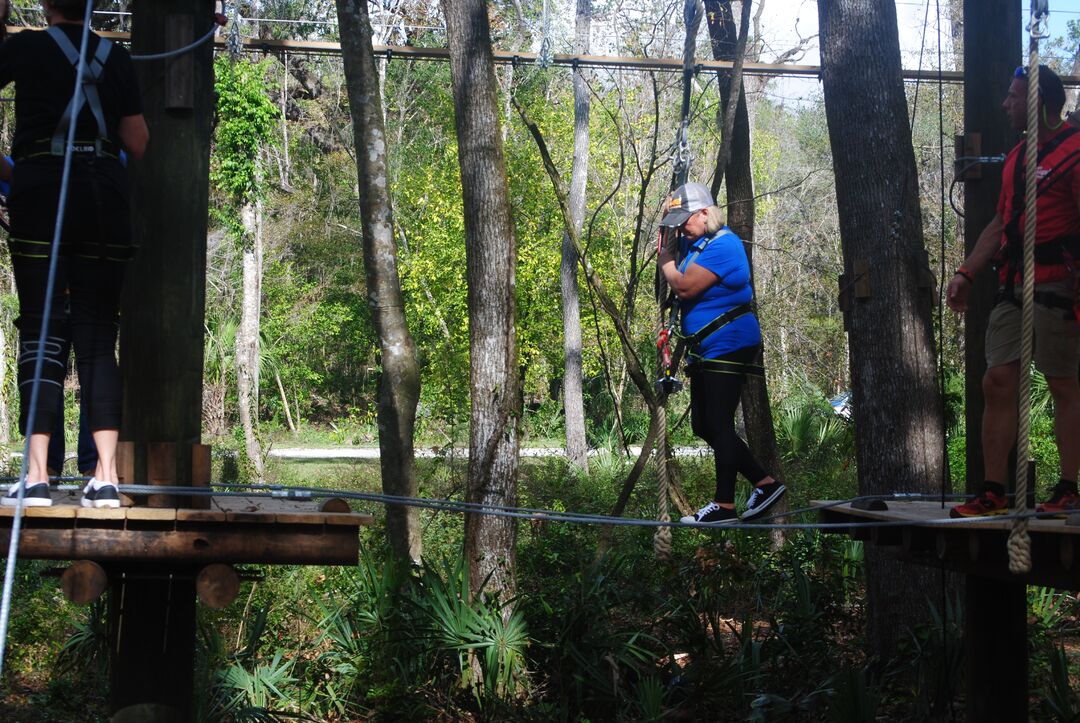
(715, 220)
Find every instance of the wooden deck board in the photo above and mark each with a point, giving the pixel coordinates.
(975, 546)
(237, 529)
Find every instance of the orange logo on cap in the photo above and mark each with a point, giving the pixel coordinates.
(675, 202)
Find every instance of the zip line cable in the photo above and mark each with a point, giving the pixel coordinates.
(39, 359)
(258, 491)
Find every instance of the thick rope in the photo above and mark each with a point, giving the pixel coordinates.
(1019, 541)
(693, 12)
(662, 537)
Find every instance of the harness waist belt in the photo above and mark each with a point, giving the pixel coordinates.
(42, 148)
(721, 321)
(1043, 298)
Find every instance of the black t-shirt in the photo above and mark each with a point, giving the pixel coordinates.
(45, 81)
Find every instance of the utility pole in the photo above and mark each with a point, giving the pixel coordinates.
(995, 617)
(152, 611)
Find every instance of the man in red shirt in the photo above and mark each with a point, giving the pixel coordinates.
(1057, 331)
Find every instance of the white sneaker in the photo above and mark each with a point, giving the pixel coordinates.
(36, 495)
(712, 513)
(100, 494)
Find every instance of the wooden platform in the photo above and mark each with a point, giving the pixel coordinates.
(234, 530)
(973, 547)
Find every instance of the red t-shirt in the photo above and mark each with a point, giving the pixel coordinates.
(1056, 211)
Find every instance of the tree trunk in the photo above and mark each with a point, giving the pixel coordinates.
(399, 384)
(897, 405)
(573, 400)
(491, 252)
(247, 338)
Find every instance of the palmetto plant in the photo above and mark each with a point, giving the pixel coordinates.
(494, 633)
(240, 686)
(808, 431)
(88, 647)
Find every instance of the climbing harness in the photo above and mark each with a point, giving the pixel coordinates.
(92, 76)
(1048, 253)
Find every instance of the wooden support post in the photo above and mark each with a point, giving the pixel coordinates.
(161, 471)
(334, 504)
(151, 627)
(200, 475)
(152, 630)
(125, 468)
(179, 78)
(995, 618)
(84, 582)
(217, 585)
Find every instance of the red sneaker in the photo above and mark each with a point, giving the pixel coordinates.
(1062, 502)
(984, 505)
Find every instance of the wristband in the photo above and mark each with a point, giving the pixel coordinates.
(966, 274)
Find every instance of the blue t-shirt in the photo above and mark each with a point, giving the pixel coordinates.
(722, 254)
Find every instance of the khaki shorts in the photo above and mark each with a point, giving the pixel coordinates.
(1057, 339)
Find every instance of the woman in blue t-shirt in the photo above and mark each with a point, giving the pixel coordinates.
(712, 283)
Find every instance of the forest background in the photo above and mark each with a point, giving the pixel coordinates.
(284, 253)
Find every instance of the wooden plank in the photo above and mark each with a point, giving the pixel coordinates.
(201, 466)
(56, 511)
(159, 514)
(125, 462)
(351, 519)
(251, 517)
(183, 515)
(300, 518)
(161, 471)
(326, 545)
(117, 514)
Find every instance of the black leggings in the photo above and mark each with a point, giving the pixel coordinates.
(86, 294)
(91, 328)
(714, 396)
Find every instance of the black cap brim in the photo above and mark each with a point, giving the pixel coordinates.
(676, 217)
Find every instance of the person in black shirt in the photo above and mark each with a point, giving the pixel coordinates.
(96, 237)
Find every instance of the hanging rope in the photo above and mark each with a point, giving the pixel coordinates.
(693, 12)
(661, 541)
(1019, 541)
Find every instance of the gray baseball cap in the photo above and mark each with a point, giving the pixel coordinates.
(685, 201)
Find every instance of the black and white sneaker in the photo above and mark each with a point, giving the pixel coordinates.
(100, 494)
(762, 498)
(713, 514)
(36, 495)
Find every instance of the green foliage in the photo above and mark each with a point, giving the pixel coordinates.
(243, 685)
(1058, 698)
(245, 120)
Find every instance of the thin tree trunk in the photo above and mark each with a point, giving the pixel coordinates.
(247, 340)
(399, 384)
(5, 420)
(491, 252)
(285, 402)
(897, 404)
(573, 400)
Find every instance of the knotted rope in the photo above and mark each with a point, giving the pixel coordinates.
(1019, 540)
(662, 537)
